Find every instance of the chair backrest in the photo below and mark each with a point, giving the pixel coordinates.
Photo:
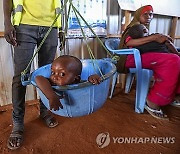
(112, 44)
(178, 49)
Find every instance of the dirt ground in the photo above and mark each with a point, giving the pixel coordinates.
(116, 120)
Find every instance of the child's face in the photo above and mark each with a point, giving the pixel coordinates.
(61, 74)
(145, 31)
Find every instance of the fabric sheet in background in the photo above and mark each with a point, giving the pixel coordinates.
(94, 12)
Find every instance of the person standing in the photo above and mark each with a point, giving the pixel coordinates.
(31, 20)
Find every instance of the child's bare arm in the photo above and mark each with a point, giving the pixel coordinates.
(94, 79)
(45, 86)
(171, 47)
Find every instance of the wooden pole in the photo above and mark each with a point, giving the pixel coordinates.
(1, 34)
(173, 27)
(127, 18)
(127, 21)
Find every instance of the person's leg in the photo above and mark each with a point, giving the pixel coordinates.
(166, 68)
(178, 87)
(22, 55)
(166, 73)
(46, 55)
(176, 101)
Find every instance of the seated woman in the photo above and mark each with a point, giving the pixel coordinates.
(165, 66)
(65, 70)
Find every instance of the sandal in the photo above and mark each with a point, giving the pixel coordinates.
(15, 140)
(49, 120)
(176, 103)
(156, 113)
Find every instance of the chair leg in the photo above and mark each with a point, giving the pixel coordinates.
(114, 79)
(142, 90)
(129, 82)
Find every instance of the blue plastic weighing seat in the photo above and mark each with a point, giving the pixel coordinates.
(143, 76)
(82, 98)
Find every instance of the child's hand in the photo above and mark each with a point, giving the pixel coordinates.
(55, 103)
(94, 79)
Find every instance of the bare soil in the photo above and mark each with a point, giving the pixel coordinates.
(78, 135)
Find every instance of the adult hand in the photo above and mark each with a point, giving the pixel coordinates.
(61, 40)
(10, 34)
(160, 38)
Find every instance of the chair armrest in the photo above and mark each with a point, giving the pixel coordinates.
(113, 46)
(135, 52)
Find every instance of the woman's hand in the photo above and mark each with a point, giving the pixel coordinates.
(160, 38)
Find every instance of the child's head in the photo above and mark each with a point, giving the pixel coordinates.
(138, 31)
(66, 70)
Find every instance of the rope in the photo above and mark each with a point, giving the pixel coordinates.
(46, 35)
(85, 38)
(91, 30)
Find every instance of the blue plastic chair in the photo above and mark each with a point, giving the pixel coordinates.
(143, 76)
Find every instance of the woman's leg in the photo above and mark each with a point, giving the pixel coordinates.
(166, 68)
(178, 87)
(176, 101)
